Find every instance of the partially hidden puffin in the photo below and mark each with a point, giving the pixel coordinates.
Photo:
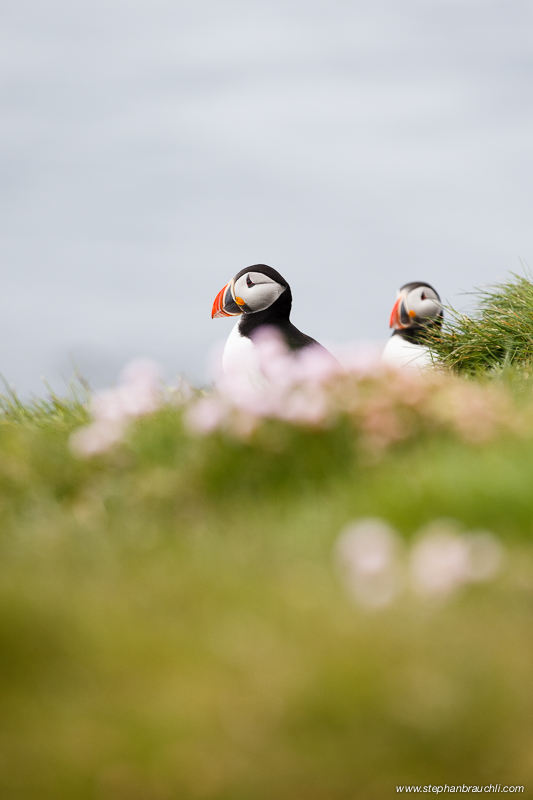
(260, 296)
(417, 307)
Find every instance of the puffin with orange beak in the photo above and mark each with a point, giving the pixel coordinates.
(259, 296)
(418, 306)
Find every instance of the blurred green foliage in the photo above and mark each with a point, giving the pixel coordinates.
(173, 623)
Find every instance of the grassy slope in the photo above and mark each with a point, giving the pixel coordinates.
(172, 624)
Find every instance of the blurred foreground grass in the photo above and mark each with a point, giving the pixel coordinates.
(173, 623)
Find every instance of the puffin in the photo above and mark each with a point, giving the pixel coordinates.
(260, 297)
(418, 306)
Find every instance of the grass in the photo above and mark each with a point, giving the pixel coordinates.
(51, 410)
(173, 623)
(500, 332)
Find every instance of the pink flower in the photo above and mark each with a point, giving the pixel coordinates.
(439, 560)
(368, 553)
(442, 560)
(98, 437)
(275, 361)
(141, 373)
(315, 365)
(206, 415)
(381, 423)
(306, 405)
(136, 394)
(362, 359)
(477, 413)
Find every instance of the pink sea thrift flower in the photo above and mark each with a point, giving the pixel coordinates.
(137, 393)
(442, 560)
(476, 413)
(368, 554)
(439, 561)
(315, 365)
(206, 415)
(381, 423)
(271, 382)
(98, 437)
(362, 359)
(306, 405)
(274, 358)
(310, 388)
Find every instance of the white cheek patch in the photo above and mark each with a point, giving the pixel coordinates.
(427, 307)
(261, 295)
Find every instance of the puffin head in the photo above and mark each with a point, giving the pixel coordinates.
(253, 289)
(418, 305)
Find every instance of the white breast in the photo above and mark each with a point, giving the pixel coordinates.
(400, 353)
(240, 358)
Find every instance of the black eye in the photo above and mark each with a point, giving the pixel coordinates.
(249, 282)
(423, 296)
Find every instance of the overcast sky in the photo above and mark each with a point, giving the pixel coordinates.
(151, 149)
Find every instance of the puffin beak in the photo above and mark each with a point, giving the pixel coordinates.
(395, 315)
(398, 312)
(218, 305)
(225, 305)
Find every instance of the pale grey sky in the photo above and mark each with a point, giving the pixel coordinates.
(150, 149)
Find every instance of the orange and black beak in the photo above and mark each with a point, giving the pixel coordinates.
(401, 317)
(226, 304)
